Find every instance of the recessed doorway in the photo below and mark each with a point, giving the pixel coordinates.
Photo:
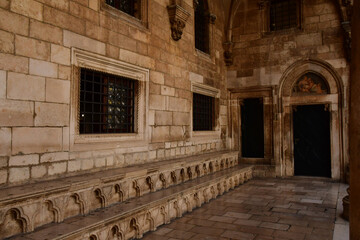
(311, 128)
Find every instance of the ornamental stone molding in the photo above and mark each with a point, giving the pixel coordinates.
(178, 17)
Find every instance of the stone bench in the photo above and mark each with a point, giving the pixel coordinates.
(132, 218)
(26, 207)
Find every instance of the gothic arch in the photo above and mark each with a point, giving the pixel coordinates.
(333, 99)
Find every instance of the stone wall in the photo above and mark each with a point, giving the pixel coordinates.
(264, 59)
(37, 79)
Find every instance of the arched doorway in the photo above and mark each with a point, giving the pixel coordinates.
(311, 140)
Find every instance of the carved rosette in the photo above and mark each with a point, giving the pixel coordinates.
(178, 17)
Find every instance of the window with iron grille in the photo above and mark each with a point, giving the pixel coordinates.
(202, 27)
(130, 7)
(107, 103)
(284, 14)
(203, 112)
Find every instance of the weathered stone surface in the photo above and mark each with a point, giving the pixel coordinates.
(14, 63)
(163, 118)
(60, 54)
(181, 118)
(25, 87)
(38, 171)
(13, 22)
(157, 77)
(46, 32)
(51, 114)
(18, 174)
(27, 8)
(24, 160)
(32, 48)
(5, 142)
(57, 91)
(36, 140)
(43, 68)
(6, 42)
(16, 113)
(57, 168)
(157, 102)
(3, 84)
(75, 40)
(64, 20)
(54, 157)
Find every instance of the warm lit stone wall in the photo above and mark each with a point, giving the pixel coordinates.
(37, 80)
(262, 58)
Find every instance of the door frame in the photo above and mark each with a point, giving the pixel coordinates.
(236, 98)
(285, 166)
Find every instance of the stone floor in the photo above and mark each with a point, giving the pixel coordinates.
(293, 208)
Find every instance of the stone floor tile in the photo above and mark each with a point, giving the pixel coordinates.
(201, 222)
(222, 219)
(238, 235)
(289, 235)
(238, 215)
(163, 231)
(179, 234)
(208, 230)
(276, 226)
(263, 209)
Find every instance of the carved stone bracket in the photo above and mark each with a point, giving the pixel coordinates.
(228, 55)
(212, 18)
(178, 17)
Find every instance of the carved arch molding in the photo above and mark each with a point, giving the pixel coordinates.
(333, 98)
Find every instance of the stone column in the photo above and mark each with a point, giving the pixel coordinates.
(355, 125)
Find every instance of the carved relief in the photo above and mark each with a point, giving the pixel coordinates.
(13, 222)
(310, 83)
(178, 17)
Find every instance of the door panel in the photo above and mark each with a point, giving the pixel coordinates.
(311, 125)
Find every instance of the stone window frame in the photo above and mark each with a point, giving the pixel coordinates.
(141, 22)
(207, 56)
(264, 7)
(83, 59)
(203, 89)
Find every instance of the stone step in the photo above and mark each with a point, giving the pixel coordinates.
(27, 207)
(132, 218)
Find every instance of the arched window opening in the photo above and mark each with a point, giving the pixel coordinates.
(201, 26)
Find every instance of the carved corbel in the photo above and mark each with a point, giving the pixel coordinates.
(178, 17)
(212, 18)
(228, 55)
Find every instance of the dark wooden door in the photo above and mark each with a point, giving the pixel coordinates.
(311, 124)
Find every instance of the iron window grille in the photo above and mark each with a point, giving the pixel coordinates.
(107, 103)
(128, 6)
(203, 112)
(283, 14)
(201, 27)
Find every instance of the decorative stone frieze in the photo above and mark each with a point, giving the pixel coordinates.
(68, 197)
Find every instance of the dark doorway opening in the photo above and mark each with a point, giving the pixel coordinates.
(252, 128)
(311, 124)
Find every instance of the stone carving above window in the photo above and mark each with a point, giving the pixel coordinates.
(178, 16)
(309, 84)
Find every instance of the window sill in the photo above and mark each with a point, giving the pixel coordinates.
(203, 55)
